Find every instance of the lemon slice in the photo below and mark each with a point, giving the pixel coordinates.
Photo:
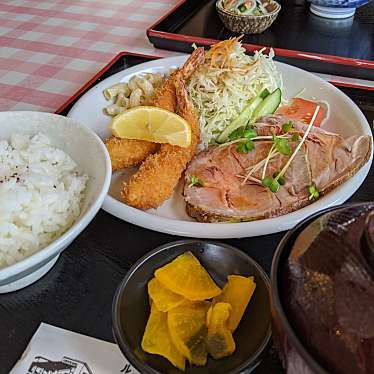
(152, 124)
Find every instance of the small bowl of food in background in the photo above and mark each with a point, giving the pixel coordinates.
(247, 17)
(54, 175)
(193, 305)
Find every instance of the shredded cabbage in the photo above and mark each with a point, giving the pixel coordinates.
(223, 85)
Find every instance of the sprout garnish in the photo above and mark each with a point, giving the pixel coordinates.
(243, 132)
(245, 147)
(281, 146)
(271, 183)
(247, 134)
(197, 182)
(281, 180)
(285, 167)
(313, 192)
(295, 137)
(286, 127)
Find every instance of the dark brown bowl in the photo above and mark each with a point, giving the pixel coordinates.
(131, 308)
(294, 349)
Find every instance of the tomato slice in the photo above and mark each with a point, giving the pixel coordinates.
(303, 110)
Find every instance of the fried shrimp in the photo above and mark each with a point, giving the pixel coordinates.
(125, 153)
(165, 95)
(158, 175)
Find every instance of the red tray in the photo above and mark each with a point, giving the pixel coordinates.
(297, 36)
(121, 61)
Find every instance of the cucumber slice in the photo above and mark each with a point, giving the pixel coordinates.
(247, 7)
(241, 120)
(265, 93)
(268, 106)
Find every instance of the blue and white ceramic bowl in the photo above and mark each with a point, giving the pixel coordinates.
(335, 8)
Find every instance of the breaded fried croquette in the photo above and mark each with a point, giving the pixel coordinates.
(125, 153)
(158, 175)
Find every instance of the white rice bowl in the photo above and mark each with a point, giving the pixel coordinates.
(41, 194)
(37, 220)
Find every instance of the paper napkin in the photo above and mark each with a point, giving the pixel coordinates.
(53, 351)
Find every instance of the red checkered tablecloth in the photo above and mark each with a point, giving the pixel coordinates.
(49, 48)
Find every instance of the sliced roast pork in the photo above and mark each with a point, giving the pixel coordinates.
(216, 189)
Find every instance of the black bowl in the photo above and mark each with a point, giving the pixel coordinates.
(131, 307)
(292, 348)
(292, 353)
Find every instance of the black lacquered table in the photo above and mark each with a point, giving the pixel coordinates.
(77, 293)
(342, 47)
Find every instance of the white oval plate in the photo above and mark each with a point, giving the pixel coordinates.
(345, 118)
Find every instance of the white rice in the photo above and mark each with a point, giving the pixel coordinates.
(41, 194)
